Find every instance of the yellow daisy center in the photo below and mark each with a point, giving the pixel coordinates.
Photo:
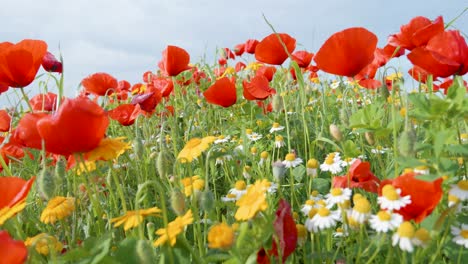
(322, 203)
(464, 136)
(453, 198)
(276, 125)
(310, 202)
(422, 234)
(279, 138)
(384, 216)
(406, 229)
(231, 195)
(339, 230)
(362, 205)
(240, 185)
(345, 205)
(314, 193)
(264, 155)
(248, 131)
(330, 159)
(253, 150)
(312, 164)
(464, 233)
(312, 212)
(290, 157)
(336, 192)
(463, 184)
(323, 212)
(389, 192)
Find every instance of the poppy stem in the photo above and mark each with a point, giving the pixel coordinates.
(26, 98)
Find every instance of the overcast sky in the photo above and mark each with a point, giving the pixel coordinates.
(126, 37)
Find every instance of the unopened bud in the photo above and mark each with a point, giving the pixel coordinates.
(369, 138)
(335, 132)
(279, 169)
(46, 184)
(207, 200)
(178, 202)
(406, 143)
(277, 103)
(163, 163)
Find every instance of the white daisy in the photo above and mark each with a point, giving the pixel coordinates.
(385, 221)
(332, 163)
(404, 236)
(422, 170)
(308, 223)
(391, 199)
(229, 198)
(348, 162)
(309, 205)
(460, 190)
(263, 157)
(290, 161)
(254, 136)
(316, 196)
(461, 235)
(279, 141)
(222, 139)
(246, 172)
(338, 195)
(361, 210)
(379, 150)
(464, 137)
(340, 232)
(324, 219)
(239, 189)
(276, 127)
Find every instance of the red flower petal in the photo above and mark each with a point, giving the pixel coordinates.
(359, 176)
(302, 57)
(271, 51)
(148, 100)
(43, 102)
(5, 121)
(100, 84)
(125, 114)
(251, 45)
(175, 60)
(285, 231)
(239, 49)
(259, 87)
(12, 251)
(222, 93)
(267, 71)
(20, 62)
(14, 190)
(26, 133)
(164, 85)
(51, 64)
(347, 52)
(371, 84)
(77, 126)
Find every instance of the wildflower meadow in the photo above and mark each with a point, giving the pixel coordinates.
(270, 155)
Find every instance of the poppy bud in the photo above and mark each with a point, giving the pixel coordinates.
(60, 170)
(369, 138)
(46, 184)
(163, 163)
(335, 132)
(344, 117)
(406, 142)
(277, 103)
(178, 202)
(138, 145)
(207, 200)
(279, 169)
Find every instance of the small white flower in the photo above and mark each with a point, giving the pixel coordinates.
(254, 136)
(276, 127)
(316, 196)
(361, 210)
(291, 161)
(222, 139)
(391, 199)
(385, 221)
(403, 237)
(309, 205)
(324, 218)
(338, 195)
(332, 163)
(460, 190)
(279, 141)
(460, 235)
(379, 150)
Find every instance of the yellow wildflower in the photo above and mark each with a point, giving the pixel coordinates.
(173, 229)
(253, 201)
(132, 219)
(44, 243)
(221, 236)
(58, 208)
(109, 149)
(191, 184)
(194, 148)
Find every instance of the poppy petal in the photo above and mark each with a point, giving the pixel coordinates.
(270, 50)
(175, 60)
(100, 84)
(347, 52)
(222, 93)
(12, 251)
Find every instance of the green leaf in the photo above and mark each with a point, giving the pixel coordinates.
(321, 185)
(439, 141)
(299, 172)
(135, 251)
(329, 142)
(458, 150)
(219, 257)
(350, 149)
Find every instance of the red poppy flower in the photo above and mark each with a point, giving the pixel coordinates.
(424, 195)
(267, 71)
(125, 114)
(10, 150)
(14, 190)
(12, 251)
(123, 85)
(347, 52)
(359, 176)
(226, 53)
(285, 233)
(164, 85)
(448, 82)
(418, 74)
(258, 88)
(149, 99)
(44, 102)
(77, 126)
(5, 121)
(445, 54)
(175, 60)
(271, 51)
(240, 66)
(20, 62)
(370, 70)
(3, 87)
(222, 61)
(51, 64)
(417, 32)
(251, 45)
(302, 57)
(370, 84)
(26, 132)
(239, 49)
(100, 84)
(222, 93)
(391, 51)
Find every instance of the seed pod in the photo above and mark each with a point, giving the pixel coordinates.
(138, 148)
(207, 200)
(279, 169)
(344, 117)
(178, 202)
(369, 138)
(46, 184)
(277, 103)
(163, 163)
(406, 143)
(336, 132)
